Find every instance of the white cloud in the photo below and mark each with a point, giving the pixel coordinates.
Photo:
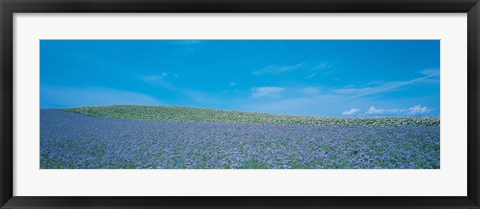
(351, 111)
(418, 109)
(373, 110)
(395, 111)
(274, 69)
(272, 92)
(415, 110)
(310, 90)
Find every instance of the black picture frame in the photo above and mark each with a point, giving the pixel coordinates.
(9, 7)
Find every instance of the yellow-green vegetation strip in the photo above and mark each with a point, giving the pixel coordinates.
(188, 114)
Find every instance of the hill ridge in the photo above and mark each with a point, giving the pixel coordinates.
(192, 114)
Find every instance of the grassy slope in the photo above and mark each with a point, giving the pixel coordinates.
(187, 114)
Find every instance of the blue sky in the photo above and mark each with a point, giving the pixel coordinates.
(301, 77)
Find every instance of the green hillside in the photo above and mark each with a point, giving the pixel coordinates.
(188, 114)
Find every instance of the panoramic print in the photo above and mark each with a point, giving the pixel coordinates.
(239, 104)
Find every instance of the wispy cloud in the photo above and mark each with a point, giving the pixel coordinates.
(320, 66)
(314, 70)
(351, 111)
(275, 69)
(310, 90)
(322, 69)
(233, 84)
(158, 80)
(270, 92)
(430, 72)
(378, 87)
(311, 75)
(161, 81)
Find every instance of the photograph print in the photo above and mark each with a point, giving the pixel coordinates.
(239, 104)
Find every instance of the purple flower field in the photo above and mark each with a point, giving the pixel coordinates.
(77, 141)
